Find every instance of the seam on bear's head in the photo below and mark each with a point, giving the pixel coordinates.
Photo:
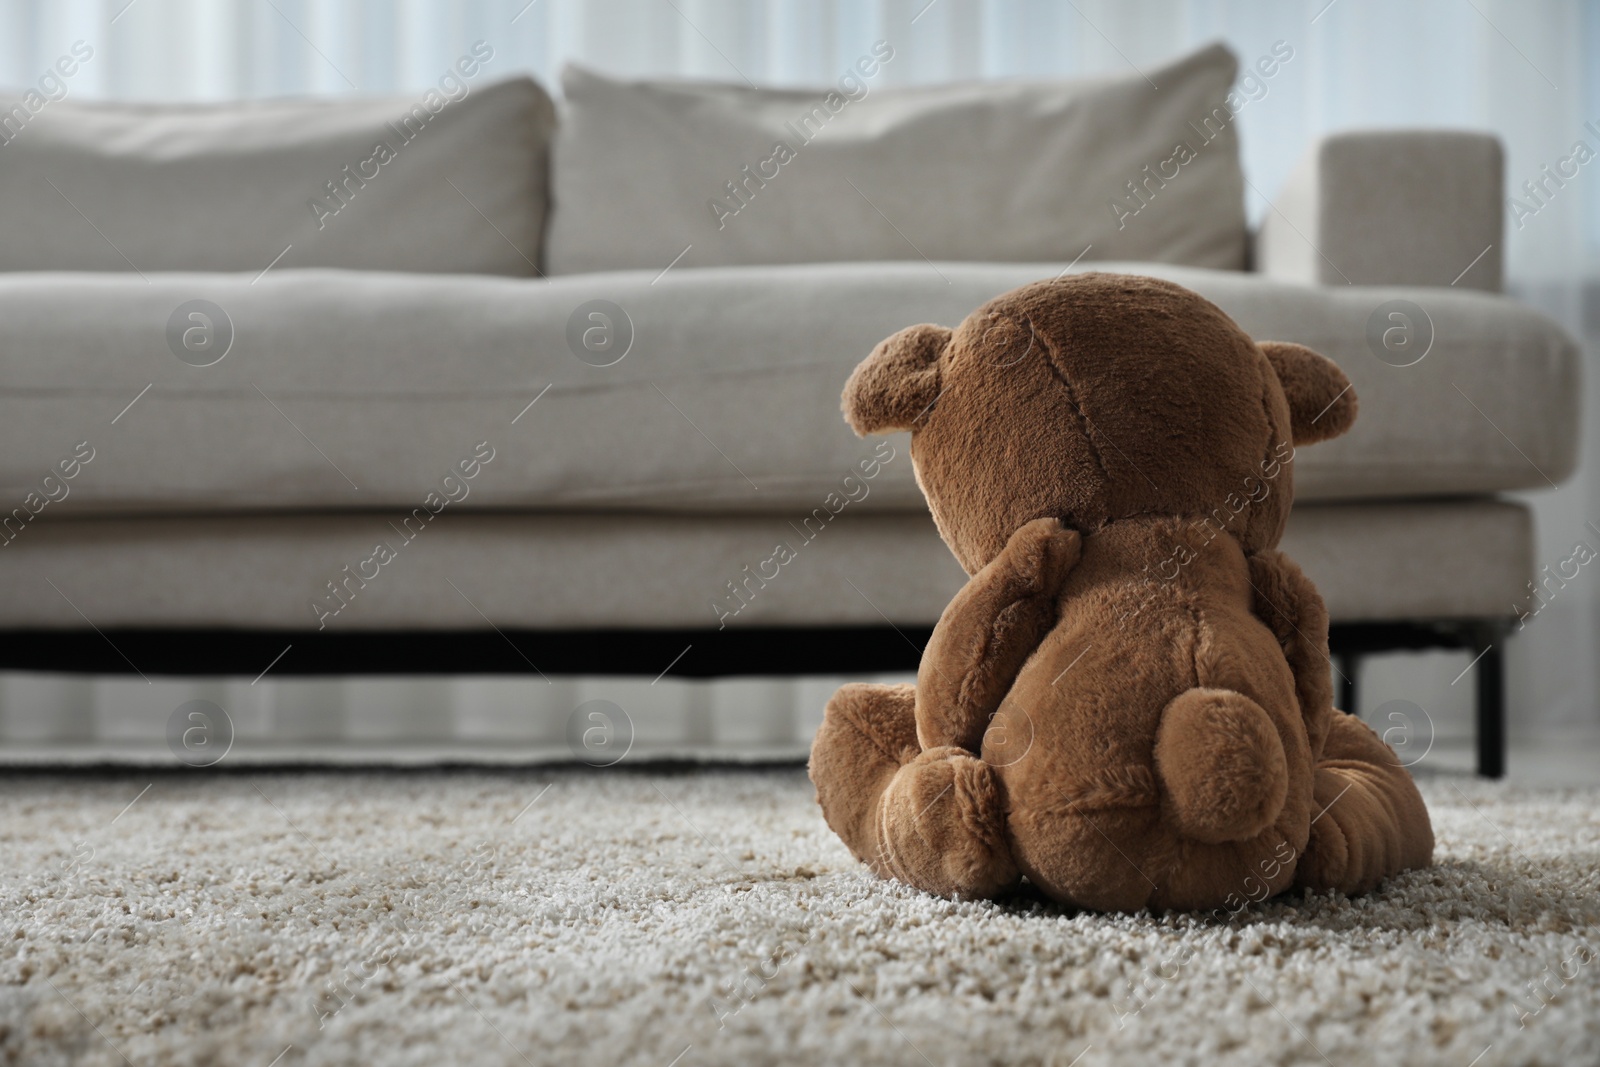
(1077, 406)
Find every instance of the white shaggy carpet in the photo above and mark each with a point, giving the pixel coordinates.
(682, 919)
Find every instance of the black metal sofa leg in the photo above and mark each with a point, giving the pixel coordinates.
(1348, 666)
(1484, 638)
(1491, 712)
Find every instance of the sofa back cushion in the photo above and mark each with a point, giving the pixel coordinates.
(1007, 172)
(448, 180)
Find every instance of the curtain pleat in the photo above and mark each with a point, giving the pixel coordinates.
(670, 715)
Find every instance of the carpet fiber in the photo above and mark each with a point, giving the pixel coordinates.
(625, 917)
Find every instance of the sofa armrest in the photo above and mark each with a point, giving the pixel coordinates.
(1390, 207)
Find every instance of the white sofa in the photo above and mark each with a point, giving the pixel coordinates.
(597, 488)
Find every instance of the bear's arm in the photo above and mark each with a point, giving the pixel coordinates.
(1291, 607)
(988, 631)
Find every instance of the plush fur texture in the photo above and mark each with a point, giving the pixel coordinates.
(1129, 702)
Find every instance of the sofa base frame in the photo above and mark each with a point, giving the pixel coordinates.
(681, 653)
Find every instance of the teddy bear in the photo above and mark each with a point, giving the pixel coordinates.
(1129, 702)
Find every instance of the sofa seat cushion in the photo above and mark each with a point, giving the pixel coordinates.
(540, 571)
(355, 390)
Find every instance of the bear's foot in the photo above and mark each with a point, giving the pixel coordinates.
(942, 827)
(934, 820)
(1222, 765)
(1369, 821)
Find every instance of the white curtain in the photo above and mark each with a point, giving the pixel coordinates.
(1526, 69)
(595, 720)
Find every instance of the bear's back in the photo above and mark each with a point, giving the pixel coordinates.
(1153, 608)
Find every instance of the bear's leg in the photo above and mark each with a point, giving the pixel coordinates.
(868, 733)
(1369, 821)
(934, 820)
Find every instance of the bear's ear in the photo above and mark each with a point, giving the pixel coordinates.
(898, 383)
(1321, 403)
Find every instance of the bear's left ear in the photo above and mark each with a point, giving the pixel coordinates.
(1321, 402)
(896, 385)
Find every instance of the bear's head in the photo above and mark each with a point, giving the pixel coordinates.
(1094, 398)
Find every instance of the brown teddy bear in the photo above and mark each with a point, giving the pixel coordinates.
(1129, 702)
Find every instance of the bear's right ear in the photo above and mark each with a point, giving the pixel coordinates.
(1321, 402)
(898, 383)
